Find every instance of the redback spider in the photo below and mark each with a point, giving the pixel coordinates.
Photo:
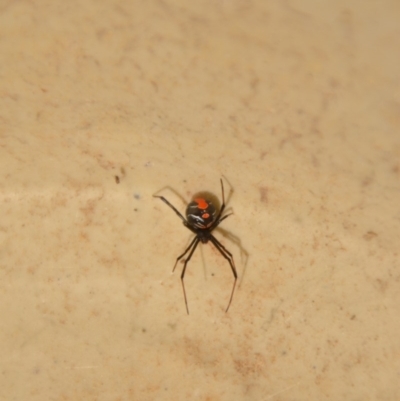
(202, 219)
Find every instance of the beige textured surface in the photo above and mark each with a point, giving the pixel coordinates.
(297, 103)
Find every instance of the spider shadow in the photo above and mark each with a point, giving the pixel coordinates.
(175, 192)
(244, 254)
(231, 190)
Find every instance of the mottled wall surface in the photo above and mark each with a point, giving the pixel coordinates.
(104, 104)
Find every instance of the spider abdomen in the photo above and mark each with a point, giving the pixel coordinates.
(200, 213)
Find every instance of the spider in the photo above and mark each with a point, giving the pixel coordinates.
(202, 219)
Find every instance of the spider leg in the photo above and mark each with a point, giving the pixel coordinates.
(221, 210)
(193, 245)
(223, 199)
(228, 256)
(172, 207)
(184, 253)
(223, 218)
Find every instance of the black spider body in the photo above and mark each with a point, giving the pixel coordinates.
(202, 218)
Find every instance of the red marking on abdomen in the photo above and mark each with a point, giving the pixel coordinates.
(201, 203)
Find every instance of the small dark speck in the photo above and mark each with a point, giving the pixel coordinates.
(135, 210)
(353, 317)
(136, 196)
(144, 330)
(117, 179)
